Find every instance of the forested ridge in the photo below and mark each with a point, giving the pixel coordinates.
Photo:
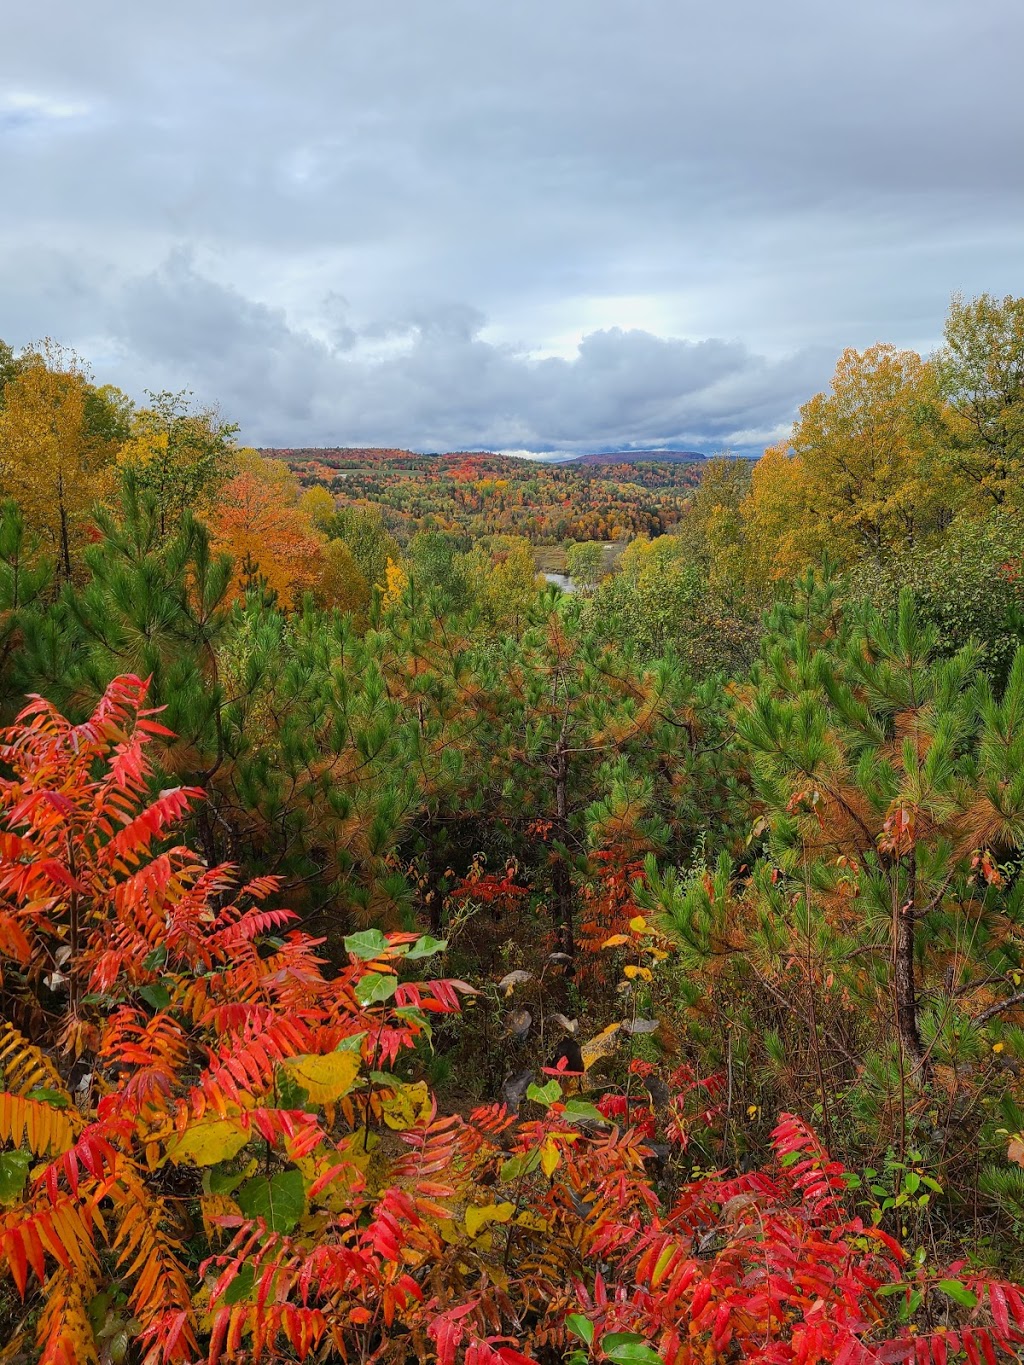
(480, 493)
(403, 960)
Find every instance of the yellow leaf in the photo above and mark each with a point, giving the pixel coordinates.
(549, 1157)
(479, 1216)
(658, 954)
(216, 1206)
(208, 1141)
(638, 924)
(633, 972)
(661, 1266)
(998, 1047)
(357, 1149)
(604, 1043)
(336, 1195)
(325, 1079)
(409, 1105)
(615, 941)
(533, 1221)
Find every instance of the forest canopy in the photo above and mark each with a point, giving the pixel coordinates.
(403, 959)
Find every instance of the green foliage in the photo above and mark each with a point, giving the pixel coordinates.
(980, 378)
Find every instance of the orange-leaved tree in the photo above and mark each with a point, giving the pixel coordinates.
(269, 538)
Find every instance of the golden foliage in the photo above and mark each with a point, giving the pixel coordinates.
(52, 459)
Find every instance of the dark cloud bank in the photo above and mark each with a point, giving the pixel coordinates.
(563, 225)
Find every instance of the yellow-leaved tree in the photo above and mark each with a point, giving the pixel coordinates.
(781, 536)
(56, 448)
(870, 483)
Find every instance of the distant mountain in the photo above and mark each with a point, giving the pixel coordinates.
(640, 457)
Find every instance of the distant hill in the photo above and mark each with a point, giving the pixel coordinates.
(640, 457)
(360, 456)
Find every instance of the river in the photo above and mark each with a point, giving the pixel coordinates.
(563, 580)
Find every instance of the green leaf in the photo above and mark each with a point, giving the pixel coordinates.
(46, 1096)
(374, 988)
(156, 995)
(354, 1042)
(520, 1165)
(912, 1182)
(280, 1200)
(626, 1348)
(582, 1327)
(289, 1094)
(426, 947)
(13, 1172)
(368, 944)
(544, 1094)
(579, 1111)
(221, 1179)
(958, 1292)
(241, 1286)
(156, 958)
(415, 1016)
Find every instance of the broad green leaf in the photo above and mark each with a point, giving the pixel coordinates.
(156, 995)
(523, 1164)
(426, 947)
(280, 1200)
(375, 987)
(626, 1348)
(415, 1016)
(326, 1078)
(579, 1111)
(288, 1094)
(581, 1327)
(13, 1172)
(224, 1180)
(958, 1292)
(368, 944)
(46, 1096)
(208, 1142)
(544, 1094)
(241, 1286)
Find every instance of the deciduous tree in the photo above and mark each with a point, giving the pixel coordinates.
(53, 460)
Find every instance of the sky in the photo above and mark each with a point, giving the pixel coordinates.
(542, 225)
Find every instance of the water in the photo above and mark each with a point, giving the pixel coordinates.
(563, 580)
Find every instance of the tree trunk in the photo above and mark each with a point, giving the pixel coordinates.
(65, 540)
(561, 881)
(903, 977)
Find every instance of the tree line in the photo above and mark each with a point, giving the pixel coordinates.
(651, 982)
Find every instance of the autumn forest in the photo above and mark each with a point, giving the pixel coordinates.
(405, 959)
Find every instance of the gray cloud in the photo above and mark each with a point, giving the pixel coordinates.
(557, 223)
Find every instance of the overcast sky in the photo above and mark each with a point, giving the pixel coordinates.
(528, 224)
